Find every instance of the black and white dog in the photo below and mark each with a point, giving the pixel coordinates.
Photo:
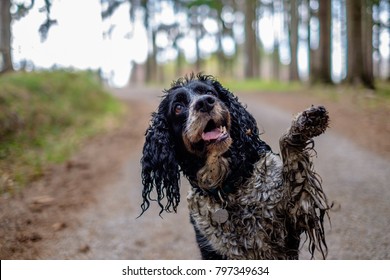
(246, 202)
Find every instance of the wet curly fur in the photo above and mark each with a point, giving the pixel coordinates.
(268, 201)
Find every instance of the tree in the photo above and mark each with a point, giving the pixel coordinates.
(322, 72)
(5, 36)
(195, 16)
(293, 35)
(45, 27)
(151, 72)
(276, 8)
(223, 30)
(368, 66)
(251, 56)
(6, 18)
(357, 57)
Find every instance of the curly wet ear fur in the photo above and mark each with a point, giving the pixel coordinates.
(247, 145)
(160, 170)
(244, 125)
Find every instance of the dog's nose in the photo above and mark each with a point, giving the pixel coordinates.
(205, 104)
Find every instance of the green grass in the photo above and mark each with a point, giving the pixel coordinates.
(358, 95)
(372, 99)
(44, 117)
(383, 89)
(257, 85)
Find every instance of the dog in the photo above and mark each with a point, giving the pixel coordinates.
(245, 201)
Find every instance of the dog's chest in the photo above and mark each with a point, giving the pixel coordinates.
(255, 219)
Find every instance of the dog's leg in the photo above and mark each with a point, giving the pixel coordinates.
(307, 204)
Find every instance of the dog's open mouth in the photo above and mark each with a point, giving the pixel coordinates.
(214, 133)
(208, 133)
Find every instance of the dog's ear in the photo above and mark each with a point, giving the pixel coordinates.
(244, 126)
(160, 170)
(247, 146)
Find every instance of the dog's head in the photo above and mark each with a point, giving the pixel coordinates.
(197, 119)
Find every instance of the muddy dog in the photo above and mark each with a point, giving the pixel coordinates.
(245, 202)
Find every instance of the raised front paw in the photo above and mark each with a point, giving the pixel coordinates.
(311, 122)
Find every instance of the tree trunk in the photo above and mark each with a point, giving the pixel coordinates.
(355, 59)
(198, 36)
(377, 64)
(276, 7)
(276, 62)
(324, 15)
(151, 64)
(293, 32)
(179, 63)
(5, 36)
(252, 57)
(344, 38)
(368, 68)
(356, 53)
(221, 59)
(314, 59)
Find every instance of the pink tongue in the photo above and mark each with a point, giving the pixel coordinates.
(211, 135)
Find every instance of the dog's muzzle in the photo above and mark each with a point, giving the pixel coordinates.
(208, 126)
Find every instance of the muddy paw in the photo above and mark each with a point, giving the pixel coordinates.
(311, 122)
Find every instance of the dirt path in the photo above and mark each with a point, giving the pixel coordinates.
(88, 208)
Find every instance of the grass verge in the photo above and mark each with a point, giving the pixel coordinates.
(356, 95)
(257, 85)
(44, 117)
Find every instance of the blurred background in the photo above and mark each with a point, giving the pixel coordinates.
(80, 78)
(327, 41)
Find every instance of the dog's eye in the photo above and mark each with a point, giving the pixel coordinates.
(179, 109)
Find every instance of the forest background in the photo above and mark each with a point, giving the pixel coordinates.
(326, 41)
